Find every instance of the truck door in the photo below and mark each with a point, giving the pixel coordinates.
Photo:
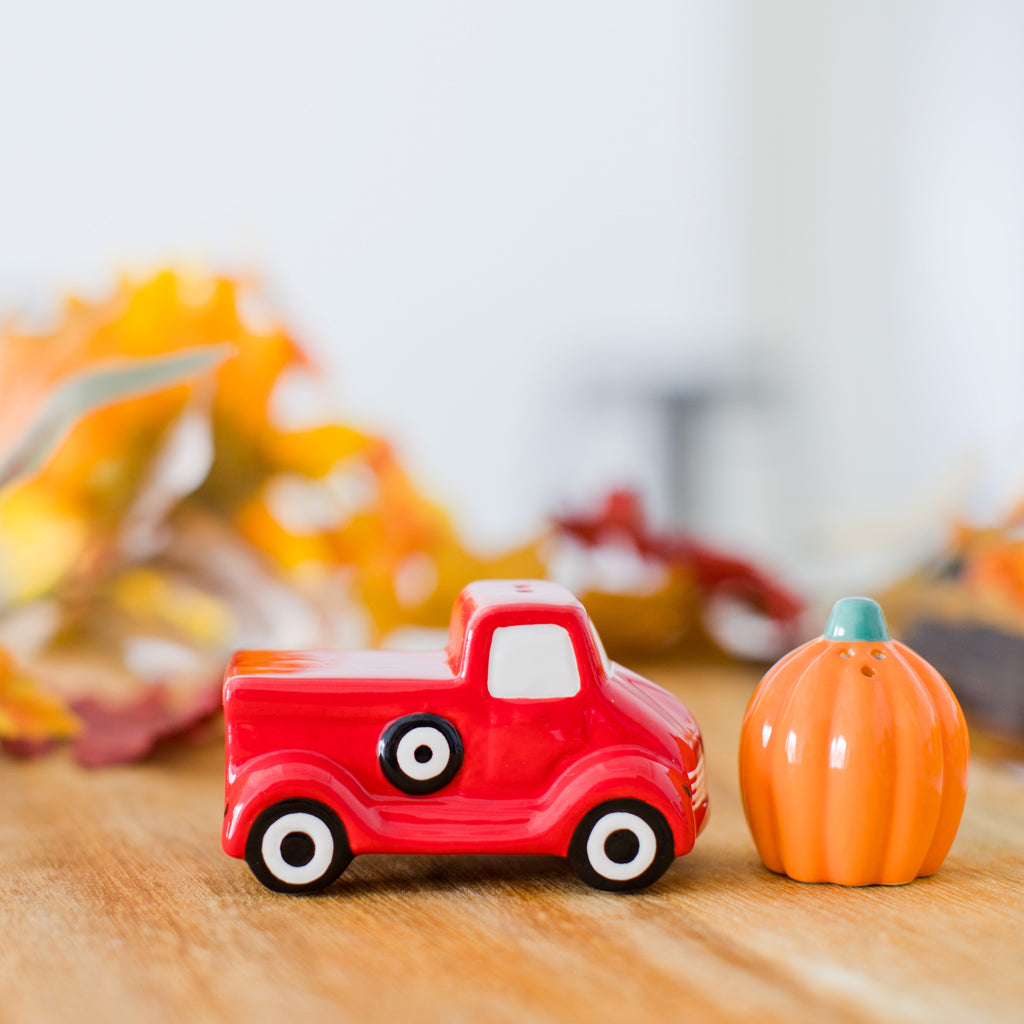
(537, 697)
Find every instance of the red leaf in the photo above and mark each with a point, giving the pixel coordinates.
(118, 734)
(622, 519)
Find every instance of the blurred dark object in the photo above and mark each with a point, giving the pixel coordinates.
(984, 666)
(965, 614)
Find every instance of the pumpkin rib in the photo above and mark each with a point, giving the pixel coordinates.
(760, 800)
(886, 727)
(850, 836)
(800, 788)
(758, 796)
(834, 834)
(918, 776)
(955, 750)
(891, 771)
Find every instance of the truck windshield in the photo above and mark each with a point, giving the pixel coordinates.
(605, 663)
(461, 614)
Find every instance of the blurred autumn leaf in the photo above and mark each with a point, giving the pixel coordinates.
(26, 711)
(30, 435)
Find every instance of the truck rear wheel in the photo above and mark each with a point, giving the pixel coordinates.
(297, 846)
(621, 846)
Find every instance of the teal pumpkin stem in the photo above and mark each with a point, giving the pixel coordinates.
(857, 618)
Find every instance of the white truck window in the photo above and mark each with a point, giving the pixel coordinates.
(535, 661)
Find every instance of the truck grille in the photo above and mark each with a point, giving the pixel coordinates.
(698, 787)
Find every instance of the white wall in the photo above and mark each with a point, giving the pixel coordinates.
(464, 206)
(888, 247)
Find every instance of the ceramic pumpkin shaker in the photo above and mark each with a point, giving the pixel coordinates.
(853, 757)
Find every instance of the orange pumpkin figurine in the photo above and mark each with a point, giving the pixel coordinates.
(853, 757)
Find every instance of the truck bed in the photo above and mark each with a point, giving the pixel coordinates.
(341, 666)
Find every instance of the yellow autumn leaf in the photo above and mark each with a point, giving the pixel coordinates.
(167, 600)
(40, 541)
(26, 711)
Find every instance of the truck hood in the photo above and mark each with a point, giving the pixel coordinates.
(666, 708)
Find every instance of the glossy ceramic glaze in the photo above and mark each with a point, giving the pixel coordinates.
(411, 752)
(853, 757)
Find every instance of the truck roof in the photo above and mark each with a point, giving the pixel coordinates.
(479, 599)
(489, 593)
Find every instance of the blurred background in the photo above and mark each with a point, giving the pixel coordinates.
(762, 262)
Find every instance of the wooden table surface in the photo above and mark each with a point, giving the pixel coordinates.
(118, 905)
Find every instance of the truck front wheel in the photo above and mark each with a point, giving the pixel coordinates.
(621, 846)
(297, 846)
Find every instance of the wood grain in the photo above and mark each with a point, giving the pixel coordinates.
(117, 905)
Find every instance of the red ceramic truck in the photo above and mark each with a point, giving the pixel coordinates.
(520, 737)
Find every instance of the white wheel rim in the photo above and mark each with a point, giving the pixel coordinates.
(308, 825)
(618, 821)
(423, 736)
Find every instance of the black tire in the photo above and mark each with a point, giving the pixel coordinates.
(420, 754)
(297, 846)
(622, 846)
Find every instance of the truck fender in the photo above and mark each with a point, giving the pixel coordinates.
(284, 775)
(623, 774)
